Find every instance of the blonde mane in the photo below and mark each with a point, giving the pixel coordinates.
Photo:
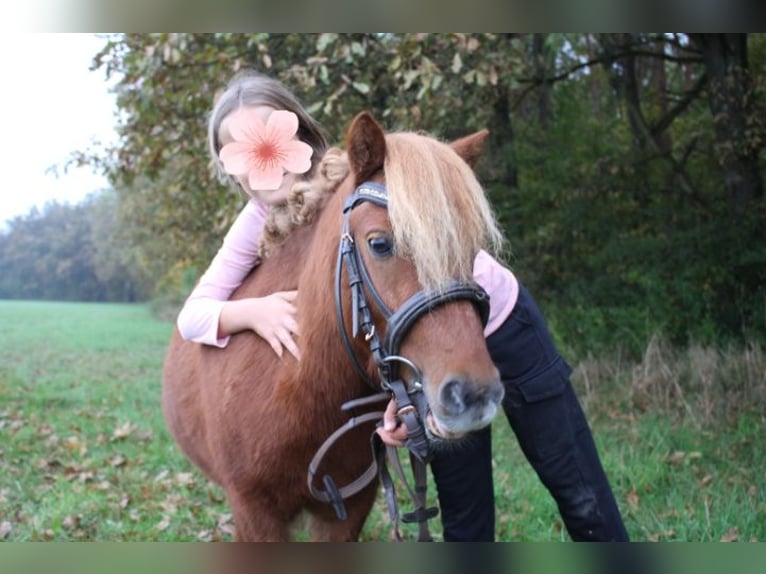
(438, 209)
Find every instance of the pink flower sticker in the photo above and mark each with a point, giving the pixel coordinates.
(265, 151)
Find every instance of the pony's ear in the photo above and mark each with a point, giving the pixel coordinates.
(471, 147)
(366, 146)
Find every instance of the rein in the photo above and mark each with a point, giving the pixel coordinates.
(410, 399)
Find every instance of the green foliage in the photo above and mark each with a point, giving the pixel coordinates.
(621, 242)
(172, 290)
(63, 253)
(607, 162)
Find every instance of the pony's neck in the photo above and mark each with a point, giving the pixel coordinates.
(324, 364)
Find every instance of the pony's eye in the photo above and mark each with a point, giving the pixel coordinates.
(380, 245)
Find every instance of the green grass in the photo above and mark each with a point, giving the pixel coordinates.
(84, 454)
(84, 448)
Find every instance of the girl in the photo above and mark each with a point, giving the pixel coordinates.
(544, 413)
(250, 102)
(259, 113)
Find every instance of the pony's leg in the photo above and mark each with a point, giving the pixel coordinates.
(255, 520)
(326, 527)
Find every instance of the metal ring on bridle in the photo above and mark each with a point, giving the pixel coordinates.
(417, 380)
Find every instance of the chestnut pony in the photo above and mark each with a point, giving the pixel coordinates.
(252, 421)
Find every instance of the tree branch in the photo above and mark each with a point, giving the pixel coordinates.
(680, 107)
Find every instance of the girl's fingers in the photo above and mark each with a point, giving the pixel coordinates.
(390, 421)
(292, 325)
(276, 345)
(287, 295)
(293, 348)
(388, 438)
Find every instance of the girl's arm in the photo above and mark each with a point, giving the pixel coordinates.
(199, 318)
(501, 285)
(209, 317)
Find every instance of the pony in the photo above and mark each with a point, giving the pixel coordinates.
(251, 421)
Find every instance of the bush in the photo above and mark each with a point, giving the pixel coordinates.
(172, 290)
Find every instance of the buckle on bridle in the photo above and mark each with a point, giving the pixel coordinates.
(405, 410)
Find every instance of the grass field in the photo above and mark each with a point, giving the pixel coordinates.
(84, 454)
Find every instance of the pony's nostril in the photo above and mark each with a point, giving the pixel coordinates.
(459, 396)
(452, 397)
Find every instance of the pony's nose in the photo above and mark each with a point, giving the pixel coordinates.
(457, 397)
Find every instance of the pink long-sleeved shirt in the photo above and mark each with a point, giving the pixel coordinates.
(198, 319)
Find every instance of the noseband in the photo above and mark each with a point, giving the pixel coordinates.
(410, 399)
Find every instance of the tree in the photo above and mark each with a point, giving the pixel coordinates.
(625, 167)
(737, 116)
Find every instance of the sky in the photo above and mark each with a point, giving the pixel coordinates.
(51, 105)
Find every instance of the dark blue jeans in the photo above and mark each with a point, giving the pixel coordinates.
(551, 428)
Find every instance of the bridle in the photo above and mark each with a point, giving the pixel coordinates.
(413, 407)
(411, 402)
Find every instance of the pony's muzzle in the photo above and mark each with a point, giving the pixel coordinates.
(464, 406)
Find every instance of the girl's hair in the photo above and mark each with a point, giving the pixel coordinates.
(250, 88)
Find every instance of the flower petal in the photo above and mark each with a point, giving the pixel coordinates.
(236, 157)
(266, 177)
(281, 126)
(246, 125)
(297, 156)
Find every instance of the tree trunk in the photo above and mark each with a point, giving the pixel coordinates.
(539, 63)
(731, 104)
(503, 167)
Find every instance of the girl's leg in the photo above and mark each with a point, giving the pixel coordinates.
(463, 476)
(550, 425)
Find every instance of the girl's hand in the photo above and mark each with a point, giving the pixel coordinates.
(272, 317)
(393, 432)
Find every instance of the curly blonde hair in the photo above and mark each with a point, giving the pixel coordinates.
(304, 201)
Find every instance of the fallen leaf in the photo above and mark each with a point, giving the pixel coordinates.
(676, 457)
(71, 522)
(123, 431)
(225, 524)
(633, 499)
(5, 529)
(731, 536)
(706, 480)
(86, 476)
(184, 479)
(162, 476)
(670, 534)
(75, 443)
(117, 460)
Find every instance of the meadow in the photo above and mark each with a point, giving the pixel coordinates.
(84, 453)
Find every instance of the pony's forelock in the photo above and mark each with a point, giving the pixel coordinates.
(439, 212)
